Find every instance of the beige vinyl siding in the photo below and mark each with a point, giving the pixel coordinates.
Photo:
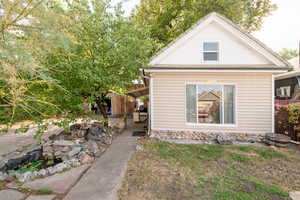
(253, 101)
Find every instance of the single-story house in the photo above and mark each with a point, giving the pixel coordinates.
(287, 85)
(216, 57)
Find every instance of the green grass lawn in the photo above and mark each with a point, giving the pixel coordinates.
(178, 171)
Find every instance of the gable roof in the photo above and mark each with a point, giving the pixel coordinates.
(231, 27)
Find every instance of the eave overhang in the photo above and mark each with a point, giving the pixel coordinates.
(288, 75)
(216, 68)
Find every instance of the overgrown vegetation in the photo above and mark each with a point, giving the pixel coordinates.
(178, 171)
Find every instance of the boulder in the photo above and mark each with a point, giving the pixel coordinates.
(225, 140)
(3, 176)
(63, 143)
(74, 152)
(86, 158)
(25, 176)
(75, 127)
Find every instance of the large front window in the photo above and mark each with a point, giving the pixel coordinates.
(210, 104)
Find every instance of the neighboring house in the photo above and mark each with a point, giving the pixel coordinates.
(287, 85)
(235, 71)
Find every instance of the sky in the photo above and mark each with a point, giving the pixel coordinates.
(279, 30)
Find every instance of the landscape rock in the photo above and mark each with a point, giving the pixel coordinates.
(43, 172)
(74, 152)
(63, 143)
(96, 130)
(75, 127)
(3, 176)
(69, 149)
(225, 140)
(86, 158)
(61, 167)
(75, 163)
(51, 170)
(25, 176)
(57, 183)
(92, 146)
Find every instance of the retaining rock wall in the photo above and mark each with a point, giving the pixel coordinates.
(194, 135)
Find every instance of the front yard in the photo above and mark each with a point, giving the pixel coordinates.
(178, 171)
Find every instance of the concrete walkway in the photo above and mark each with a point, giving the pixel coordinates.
(104, 178)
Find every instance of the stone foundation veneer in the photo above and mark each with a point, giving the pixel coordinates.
(195, 135)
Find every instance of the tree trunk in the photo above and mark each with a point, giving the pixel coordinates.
(100, 101)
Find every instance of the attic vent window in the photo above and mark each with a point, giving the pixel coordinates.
(210, 51)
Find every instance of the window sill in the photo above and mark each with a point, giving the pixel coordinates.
(213, 125)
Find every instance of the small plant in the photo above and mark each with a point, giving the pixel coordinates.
(294, 113)
(43, 192)
(40, 131)
(22, 129)
(65, 124)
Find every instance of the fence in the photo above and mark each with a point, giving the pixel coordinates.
(283, 125)
(286, 102)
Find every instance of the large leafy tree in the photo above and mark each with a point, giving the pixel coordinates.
(288, 53)
(57, 54)
(29, 30)
(169, 18)
(105, 54)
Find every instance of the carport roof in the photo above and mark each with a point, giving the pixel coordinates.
(138, 92)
